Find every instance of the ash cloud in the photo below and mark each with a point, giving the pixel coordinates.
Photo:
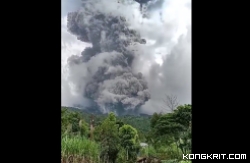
(110, 80)
(119, 60)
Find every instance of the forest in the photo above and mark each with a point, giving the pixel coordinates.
(107, 138)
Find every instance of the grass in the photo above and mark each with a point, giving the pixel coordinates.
(80, 148)
(167, 153)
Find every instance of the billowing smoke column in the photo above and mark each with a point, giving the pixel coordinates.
(111, 83)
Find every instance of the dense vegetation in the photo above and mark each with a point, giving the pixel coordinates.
(113, 139)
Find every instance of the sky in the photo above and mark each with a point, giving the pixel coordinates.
(164, 61)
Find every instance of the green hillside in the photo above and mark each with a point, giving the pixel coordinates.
(109, 138)
(141, 123)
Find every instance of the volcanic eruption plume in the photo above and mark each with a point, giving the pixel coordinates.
(108, 79)
(121, 58)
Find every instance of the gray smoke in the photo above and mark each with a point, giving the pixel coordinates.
(110, 50)
(110, 80)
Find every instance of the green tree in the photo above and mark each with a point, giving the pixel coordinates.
(153, 121)
(185, 141)
(176, 125)
(64, 120)
(152, 137)
(183, 115)
(108, 137)
(120, 124)
(73, 122)
(84, 128)
(129, 141)
(74, 118)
